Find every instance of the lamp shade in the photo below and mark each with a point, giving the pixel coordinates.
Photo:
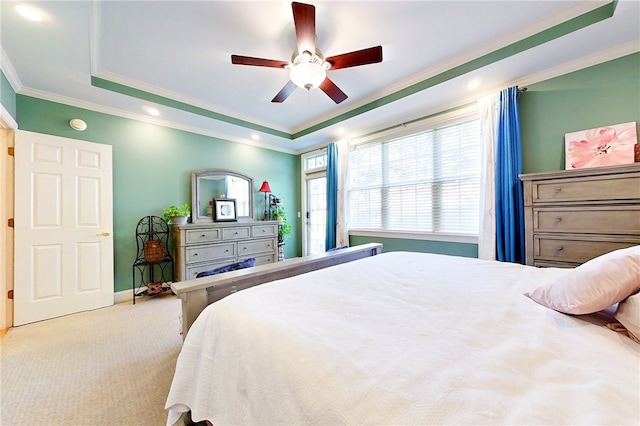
(307, 75)
(265, 187)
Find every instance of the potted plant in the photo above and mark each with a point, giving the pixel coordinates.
(177, 215)
(284, 228)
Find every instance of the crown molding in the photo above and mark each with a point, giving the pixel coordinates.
(448, 112)
(586, 62)
(9, 71)
(134, 84)
(582, 63)
(47, 96)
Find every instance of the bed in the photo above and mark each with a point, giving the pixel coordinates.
(415, 338)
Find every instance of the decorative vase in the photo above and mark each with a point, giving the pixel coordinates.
(179, 220)
(153, 251)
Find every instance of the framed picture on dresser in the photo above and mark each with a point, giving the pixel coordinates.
(224, 210)
(603, 146)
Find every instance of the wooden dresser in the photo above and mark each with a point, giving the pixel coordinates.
(198, 247)
(572, 216)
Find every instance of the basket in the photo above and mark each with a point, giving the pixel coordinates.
(153, 251)
(154, 288)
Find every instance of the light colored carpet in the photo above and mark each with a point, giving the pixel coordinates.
(110, 366)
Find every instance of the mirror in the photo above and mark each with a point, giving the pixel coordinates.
(220, 183)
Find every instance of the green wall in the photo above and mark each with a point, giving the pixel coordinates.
(604, 94)
(7, 95)
(399, 244)
(152, 168)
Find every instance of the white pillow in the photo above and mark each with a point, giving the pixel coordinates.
(628, 314)
(594, 285)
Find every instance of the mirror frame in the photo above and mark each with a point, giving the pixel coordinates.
(195, 193)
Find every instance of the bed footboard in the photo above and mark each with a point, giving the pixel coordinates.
(196, 294)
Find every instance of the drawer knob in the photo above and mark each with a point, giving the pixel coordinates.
(202, 236)
(558, 190)
(558, 219)
(236, 232)
(195, 254)
(560, 248)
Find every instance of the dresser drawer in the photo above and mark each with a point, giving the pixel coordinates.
(246, 248)
(236, 233)
(264, 231)
(266, 259)
(202, 236)
(602, 220)
(210, 252)
(601, 188)
(575, 249)
(193, 270)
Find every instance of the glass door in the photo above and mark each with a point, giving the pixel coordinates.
(316, 215)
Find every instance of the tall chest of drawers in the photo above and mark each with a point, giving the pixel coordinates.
(202, 246)
(572, 216)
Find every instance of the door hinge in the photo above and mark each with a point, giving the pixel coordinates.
(10, 295)
(10, 223)
(11, 151)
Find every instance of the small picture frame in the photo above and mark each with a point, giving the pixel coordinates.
(224, 210)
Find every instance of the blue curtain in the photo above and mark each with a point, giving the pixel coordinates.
(332, 195)
(509, 199)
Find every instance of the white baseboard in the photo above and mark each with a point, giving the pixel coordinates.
(125, 295)
(122, 296)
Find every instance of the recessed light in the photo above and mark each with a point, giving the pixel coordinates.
(473, 84)
(28, 12)
(152, 111)
(341, 130)
(255, 136)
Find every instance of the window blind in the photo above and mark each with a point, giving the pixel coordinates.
(424, 182)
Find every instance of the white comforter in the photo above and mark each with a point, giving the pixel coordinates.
(404, 338)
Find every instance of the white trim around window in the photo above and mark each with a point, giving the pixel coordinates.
(450, 238)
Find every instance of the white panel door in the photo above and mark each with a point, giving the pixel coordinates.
(63, 225)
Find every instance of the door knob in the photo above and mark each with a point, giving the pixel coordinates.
(104, 234)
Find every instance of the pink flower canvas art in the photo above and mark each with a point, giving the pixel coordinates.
(602, 146)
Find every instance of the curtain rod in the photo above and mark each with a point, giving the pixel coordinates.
(521, 91)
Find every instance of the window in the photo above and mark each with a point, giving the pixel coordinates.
(427, 182)
(316, 161)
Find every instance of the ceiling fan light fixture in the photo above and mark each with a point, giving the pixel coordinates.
(308, 75)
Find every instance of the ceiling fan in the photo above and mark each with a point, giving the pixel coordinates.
(308, 67)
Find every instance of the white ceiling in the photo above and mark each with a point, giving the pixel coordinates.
(180, 50)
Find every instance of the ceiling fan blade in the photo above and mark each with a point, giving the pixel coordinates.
(371, 55)
(304, 19)
(333, 91)
(285, 92)
(257, 62)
